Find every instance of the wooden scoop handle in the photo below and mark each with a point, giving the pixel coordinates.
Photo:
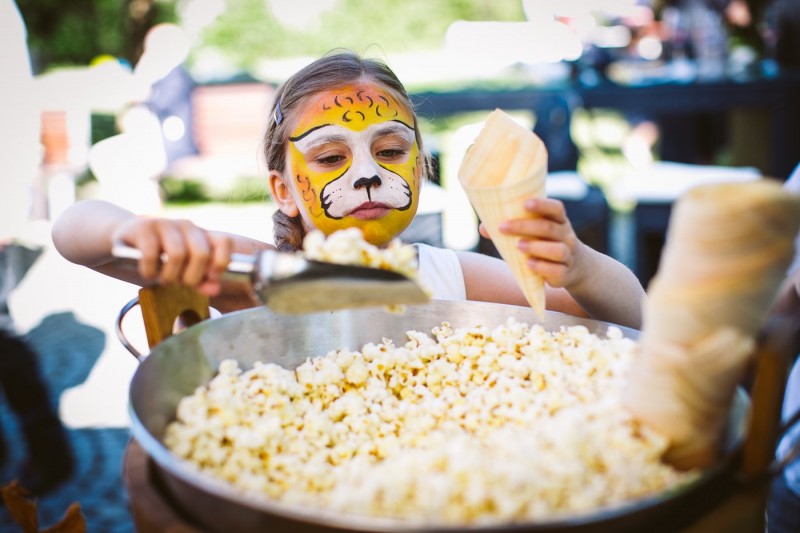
(163, 305)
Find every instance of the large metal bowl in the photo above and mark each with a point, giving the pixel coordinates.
(177, 366)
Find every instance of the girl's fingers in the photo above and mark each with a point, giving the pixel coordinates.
(198, 247)
(150, 263)
(221, 248)
(552, 251)
(173, 244)
(140, 234)
(553, 273)
(547, 238)
(549, 221)
(539, 228)
(547, 208)
(194, 256)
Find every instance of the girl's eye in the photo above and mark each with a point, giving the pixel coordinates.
(391, 153)
(329, 160)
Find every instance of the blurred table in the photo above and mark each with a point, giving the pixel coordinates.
(766, 110)
(773, 99)
(654, 190)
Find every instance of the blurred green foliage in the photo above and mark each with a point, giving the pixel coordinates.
(183, 191)
(243, 189)
(249, 31)
(104, 125)
(75, 32)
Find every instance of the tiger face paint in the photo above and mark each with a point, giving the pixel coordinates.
(355, 162)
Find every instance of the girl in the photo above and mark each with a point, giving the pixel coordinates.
(343, 149)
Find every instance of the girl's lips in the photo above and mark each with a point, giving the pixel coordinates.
(369, 211)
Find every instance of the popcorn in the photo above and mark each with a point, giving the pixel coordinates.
(462, 426)
(348, 247)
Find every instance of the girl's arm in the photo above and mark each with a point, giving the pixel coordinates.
(581, 280)
(489, 279)
(87, 230)
(606, 288)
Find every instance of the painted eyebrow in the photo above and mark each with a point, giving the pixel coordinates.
(322, 139)
(397, 127)
(307, 132)
(394, 127)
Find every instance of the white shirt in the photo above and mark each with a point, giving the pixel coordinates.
(440, 271)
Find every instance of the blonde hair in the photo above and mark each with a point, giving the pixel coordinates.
(329, 72)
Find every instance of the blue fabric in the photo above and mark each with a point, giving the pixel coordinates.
(783, 508)
(791, 403)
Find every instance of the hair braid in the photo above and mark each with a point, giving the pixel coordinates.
(287, 231)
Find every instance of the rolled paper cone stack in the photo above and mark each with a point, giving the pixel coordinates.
(728, 247)
(505, 166)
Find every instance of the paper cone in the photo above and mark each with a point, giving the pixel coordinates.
(728, 247)
(505, 166)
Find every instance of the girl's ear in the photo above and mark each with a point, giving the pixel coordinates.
(282, 194)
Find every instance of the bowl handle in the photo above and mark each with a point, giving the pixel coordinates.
(777, 350)
(121, 334)
(165, 308)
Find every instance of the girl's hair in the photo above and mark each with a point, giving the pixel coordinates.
(327, 73)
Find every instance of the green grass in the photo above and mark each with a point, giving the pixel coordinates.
(191, 191)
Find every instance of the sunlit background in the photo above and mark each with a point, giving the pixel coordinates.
(201, 73)
(159, 106)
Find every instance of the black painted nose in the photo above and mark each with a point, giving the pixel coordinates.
(367, 183)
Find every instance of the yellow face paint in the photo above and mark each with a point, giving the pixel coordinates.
(355, 162)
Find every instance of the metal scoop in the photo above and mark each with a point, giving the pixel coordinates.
(289, 283)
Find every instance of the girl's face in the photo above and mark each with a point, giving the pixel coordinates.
(353, 161)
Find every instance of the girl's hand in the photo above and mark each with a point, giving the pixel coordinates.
(549, 241)
(195, 257)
